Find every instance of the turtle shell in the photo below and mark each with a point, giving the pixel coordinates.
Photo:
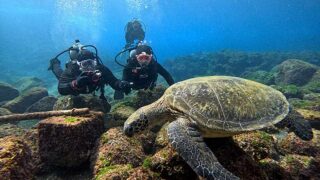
(227, 104)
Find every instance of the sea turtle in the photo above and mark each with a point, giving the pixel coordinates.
(213, 106)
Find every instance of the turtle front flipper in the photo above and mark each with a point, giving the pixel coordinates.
(296, 123)
(188, 142)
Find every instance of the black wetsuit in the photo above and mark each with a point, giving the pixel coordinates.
(146, 77)
(71, 73)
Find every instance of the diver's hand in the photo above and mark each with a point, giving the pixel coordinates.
(125, 86)
(53, 62)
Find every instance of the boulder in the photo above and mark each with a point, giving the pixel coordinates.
(4, 111)
(82, 101)
(67, 141)
(15, 159)
(292, 144)
(7, 92)
(26, 83)
(10, 129)
(145, 97)
(118, 115)
(294, 71)
(44, 104)
(21, 103)
(312, 116)
(114, 148)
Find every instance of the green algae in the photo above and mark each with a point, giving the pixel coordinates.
(71, 119)
(147, 163)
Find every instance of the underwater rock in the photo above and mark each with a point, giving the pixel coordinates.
(126, 172)
(114, 148)
(273, 169)
(15, 159)
(7, 92)
(313, 104)
(263, 77)
(10, 129)
(4, 111)
(145, 97)
(314, 84)
(301, 167)
(118, 115)
(26, 83)
(290, 91)
(257, 144)
(169, 165)
(67, 141)
(312, 116)
(292, 144)
(82, 101)
(294, 71)
(44, 104)
(22, 102)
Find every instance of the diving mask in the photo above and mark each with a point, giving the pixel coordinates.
(88, 65)
(144, 58)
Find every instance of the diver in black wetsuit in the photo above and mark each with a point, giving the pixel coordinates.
(142, 71)
(84, 73)
(134, 31)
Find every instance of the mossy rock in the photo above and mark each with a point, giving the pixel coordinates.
(22, 102)
(10, 129)
(294, 71)
(258, 144)
(273, 169)
(301, 167)
(82, 101)
(145, 97)
(67, 141)
(305, 104)
(312, 116)
(314, 84)
(126, 172)
(4, 111)
(263, 77)
(26, 83)
(114, 148)
(290, 91)
(44, 104)
(119, 114)
(292, 144)
(15, 159)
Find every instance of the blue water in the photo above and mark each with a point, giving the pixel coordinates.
(33, 31)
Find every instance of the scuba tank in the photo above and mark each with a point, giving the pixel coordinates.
(75, 50)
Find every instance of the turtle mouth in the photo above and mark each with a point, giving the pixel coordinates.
(128, 131)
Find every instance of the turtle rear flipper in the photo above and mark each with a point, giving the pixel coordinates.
(296, 123)
(188, 142)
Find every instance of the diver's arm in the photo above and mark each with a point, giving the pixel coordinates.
(110, 78)
(164, 73)
(66, 86)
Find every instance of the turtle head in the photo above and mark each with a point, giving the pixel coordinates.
(136, 123)
(146, 117)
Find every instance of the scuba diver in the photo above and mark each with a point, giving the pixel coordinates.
(84, 72)
(134, 31)
(141, 70)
